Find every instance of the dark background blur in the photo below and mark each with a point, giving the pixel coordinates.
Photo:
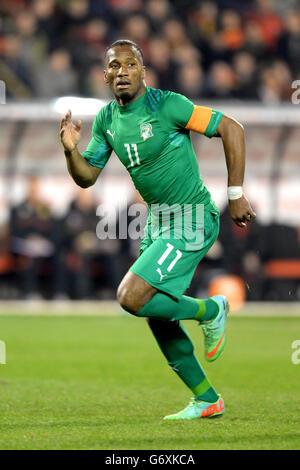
(214, 49)
(245, 55)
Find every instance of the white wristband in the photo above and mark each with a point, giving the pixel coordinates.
(234, 192)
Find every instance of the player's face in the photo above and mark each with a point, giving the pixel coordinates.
(125, 73)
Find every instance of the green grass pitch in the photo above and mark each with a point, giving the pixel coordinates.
(102, 383)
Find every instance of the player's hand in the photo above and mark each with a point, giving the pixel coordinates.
(241, 211)
(69, 133)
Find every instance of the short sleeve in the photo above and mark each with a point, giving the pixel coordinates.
(177, 109)
(98, 150)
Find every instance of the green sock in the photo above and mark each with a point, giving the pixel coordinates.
(164, 307)
(208, 310)
(204, 391)
(178, 349)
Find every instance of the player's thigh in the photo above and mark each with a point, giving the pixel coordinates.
(167, 266)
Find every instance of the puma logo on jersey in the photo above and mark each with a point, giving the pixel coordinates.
(146, 131)
(161, 274)
(111, 134)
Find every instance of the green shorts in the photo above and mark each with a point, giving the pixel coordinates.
(168, 263)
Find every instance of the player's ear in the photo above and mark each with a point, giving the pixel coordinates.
(105, 76)
(143, 72)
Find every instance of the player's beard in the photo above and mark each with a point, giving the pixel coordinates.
(126, 97)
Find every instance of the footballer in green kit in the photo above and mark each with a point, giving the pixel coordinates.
(149, 130)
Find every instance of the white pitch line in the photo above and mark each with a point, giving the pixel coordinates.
(60, 308)
(103, 308)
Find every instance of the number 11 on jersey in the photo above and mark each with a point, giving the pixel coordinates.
(134, 147)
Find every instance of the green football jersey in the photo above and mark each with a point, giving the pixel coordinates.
(149, 137)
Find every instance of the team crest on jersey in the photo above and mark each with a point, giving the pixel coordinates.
(146, 131)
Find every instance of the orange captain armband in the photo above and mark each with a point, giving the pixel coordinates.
(204, 120)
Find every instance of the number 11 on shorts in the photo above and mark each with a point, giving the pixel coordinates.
(166, 254)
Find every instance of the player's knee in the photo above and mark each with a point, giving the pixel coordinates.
(122, 297)
(127, 300)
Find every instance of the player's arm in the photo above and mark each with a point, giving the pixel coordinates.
(233, 138)
(83, 173)
(215, 124)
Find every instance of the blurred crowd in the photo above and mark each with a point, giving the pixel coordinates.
(46, 256)
(43, 256)
(215, 49)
